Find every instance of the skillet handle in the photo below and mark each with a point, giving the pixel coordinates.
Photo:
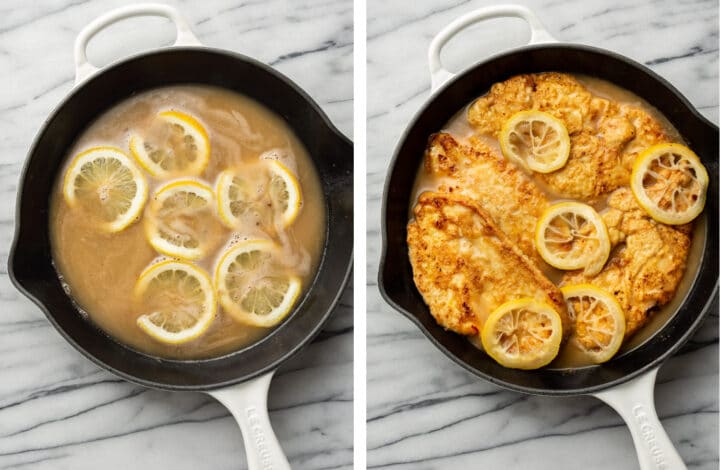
(184, 35)
(248, 404)
(635, 402)
(439, 75)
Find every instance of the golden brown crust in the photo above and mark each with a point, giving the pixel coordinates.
(499, 186)
(645, 269)
(605, 136)
(465, 267)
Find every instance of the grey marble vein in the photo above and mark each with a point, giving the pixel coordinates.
(424, 412)
(57, 409)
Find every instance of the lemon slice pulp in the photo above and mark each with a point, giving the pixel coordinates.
(106, 182)
(572, 235)
(252, 285)
(599, 321)
(180, 220)
(179, 300)
(536, 140)
(269, 198)
(670, 183)
(176, 145)
(522, 334)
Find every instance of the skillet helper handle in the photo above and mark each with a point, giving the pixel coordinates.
(634, 401)
(248, 404)
(184, 35)
(439, 75)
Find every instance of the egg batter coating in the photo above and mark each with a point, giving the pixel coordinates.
(644, 270)
(605, 136)
(465, 267)
(497, 185)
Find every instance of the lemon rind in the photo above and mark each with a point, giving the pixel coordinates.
(293, 209)
(162, 193)
(556, 123)
(190, 124)
(138, 202)
(554, 342)
(237, 312)
(648, 206)
(586, 289)
(203, 322)
(598, 222)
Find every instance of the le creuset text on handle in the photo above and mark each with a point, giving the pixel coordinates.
(248, 404)
(440, 75)
(634, 401)
(184, 35)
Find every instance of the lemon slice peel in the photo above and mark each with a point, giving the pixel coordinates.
(536, 140)
(125, 174)
(599, 321)
(523, 334)
(155, 323)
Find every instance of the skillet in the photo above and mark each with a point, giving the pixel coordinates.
(626, 383)
(239, 380)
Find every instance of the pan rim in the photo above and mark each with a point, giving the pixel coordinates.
(77, 88)
(434, 94)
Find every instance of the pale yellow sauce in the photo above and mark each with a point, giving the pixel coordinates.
(100, 269)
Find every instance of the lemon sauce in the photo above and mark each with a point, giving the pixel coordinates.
(100, 269)
(570, 356)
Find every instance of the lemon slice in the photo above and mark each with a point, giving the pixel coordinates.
(572, 235)
(272, 198)
(176, 145)
(523, 334)
(253, 287)
(107, 183)
(670, 182)
(179, 298)
(599, 321)
(536, 140)
(180, 221)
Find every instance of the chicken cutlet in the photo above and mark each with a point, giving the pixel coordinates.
(604, 136)
(465, 267)
(647, 265)
(497, 185)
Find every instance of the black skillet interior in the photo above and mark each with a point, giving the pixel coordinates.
(395, 277)
(30, 263)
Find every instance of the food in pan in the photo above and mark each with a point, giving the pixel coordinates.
(187, 222)
(647, 263)
(465, 265)
(500, 187)
(605, 135)
(552, 218)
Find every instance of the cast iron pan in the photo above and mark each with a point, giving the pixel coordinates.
(31, 266)
(395, 276)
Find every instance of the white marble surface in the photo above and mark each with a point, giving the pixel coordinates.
(425, 412)
(58, 410)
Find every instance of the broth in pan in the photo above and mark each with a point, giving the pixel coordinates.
(187, 222)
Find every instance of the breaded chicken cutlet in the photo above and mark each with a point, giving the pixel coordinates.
(465, 266)
(645, 269)
(605, 136)
(497, 185)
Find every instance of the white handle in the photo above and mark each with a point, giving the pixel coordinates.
(439, 75)
(184, 36)
(635, 402)
(248, 404)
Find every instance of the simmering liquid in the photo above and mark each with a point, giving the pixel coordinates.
(570, 356)
(99, 269)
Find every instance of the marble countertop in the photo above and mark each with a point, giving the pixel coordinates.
(57, 409)
(425, 412)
